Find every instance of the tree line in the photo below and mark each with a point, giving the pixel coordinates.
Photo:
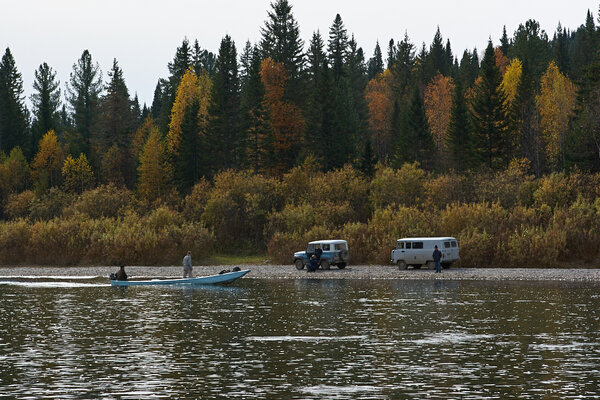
(271, 106)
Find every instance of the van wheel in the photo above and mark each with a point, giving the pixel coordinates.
(430, 265)
(325, 264)
(299, 264)
(402, 265)
(341, 265)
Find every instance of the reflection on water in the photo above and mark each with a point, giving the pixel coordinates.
(308, 339)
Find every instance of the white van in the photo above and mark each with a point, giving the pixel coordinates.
(418, 251)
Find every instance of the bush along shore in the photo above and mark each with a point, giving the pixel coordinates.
(501, 219)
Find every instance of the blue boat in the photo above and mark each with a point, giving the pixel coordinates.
(226, 277)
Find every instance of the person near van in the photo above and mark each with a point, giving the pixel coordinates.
(318, 252)
(313, 264)
(437, 257)
(120, 275)
(187, 265)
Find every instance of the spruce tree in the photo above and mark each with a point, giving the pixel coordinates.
(504, 42)
(315, 58)
(281, 42)
(560, 50)
(531, 45)
(337, 48)
(224, 125)
(116, 124)
(489, 114)
(46, 104)
(83, 94)
(13, 113)
(460, 133)
(189, 162)
(375, 65)
(419, 138)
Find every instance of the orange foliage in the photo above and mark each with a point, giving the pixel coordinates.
(501, 60)
(286, 119)
(379, 97)
(438, 101)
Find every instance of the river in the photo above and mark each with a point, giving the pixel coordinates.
(299, 339)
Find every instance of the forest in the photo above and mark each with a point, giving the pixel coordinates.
(259, 149)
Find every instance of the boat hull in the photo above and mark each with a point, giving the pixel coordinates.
(227, 277)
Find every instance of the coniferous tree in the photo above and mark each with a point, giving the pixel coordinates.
(375, 65)
(531, 45)
(189, 160)
(281, 42)
(116, 125)
(489, 115)
(460, 134)
(315, 57)
(13, 113)
(436, 60)
(46, 104)
(357, 82)
(585, 47)
(504, 42)
(224, 126)
(418, 132)
(560, 50)
(337, 48)
(83, 94)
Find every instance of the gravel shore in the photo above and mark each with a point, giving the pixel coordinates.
(290, 272)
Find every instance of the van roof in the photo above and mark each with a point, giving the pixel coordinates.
(426, 239)
(337, 241)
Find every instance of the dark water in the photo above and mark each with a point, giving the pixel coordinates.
(304, 339)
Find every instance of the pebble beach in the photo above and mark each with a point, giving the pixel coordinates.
(290, 272)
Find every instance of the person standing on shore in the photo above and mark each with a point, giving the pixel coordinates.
(187, 265)
(437, 257)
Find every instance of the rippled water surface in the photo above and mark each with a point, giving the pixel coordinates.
(302, 339)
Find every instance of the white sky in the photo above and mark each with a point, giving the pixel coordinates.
(143, 35)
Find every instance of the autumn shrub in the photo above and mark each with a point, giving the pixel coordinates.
(345, 185)
(533, 246)
(529, 216)
(404, 186)
(297, 185)
(557, 190)
(238, 209)
(444, 190)
(14, 236)
(195, 203)
(362, 245)
(477, 248)
(581, 225)
(49, 205)
(18, 204)
(103, 201)
(485, 217)
(57, 241)
(511, 187)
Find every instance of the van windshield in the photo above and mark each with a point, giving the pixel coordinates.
(400, 245)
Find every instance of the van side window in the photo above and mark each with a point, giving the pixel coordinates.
(454, 243)
(400, 245)
(340, 246)
(417, 245)
(446, 245)
(310, 247)
(325, 247)
(408, 245)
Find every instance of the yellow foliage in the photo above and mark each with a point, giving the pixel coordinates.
(77, 174)
(511, 80)
(191, 88)
(556, 103)
(154, 170)
(48, 161)
(438, 102)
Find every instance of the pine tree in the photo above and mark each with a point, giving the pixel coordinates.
(504, 42)
(83, 92)
(419, 138)
(460, 134)
(13, 113)
(489, 115)
(337, 48)
(315, 57)
(375, 65)
(46, 103)
(224, 136)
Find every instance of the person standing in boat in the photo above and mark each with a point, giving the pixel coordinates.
(187, 265)
(121, 275)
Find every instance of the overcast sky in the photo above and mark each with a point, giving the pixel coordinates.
(143, 35)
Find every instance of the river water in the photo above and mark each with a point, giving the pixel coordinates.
(299, 339)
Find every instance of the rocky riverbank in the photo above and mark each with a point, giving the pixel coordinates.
(290, 272)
